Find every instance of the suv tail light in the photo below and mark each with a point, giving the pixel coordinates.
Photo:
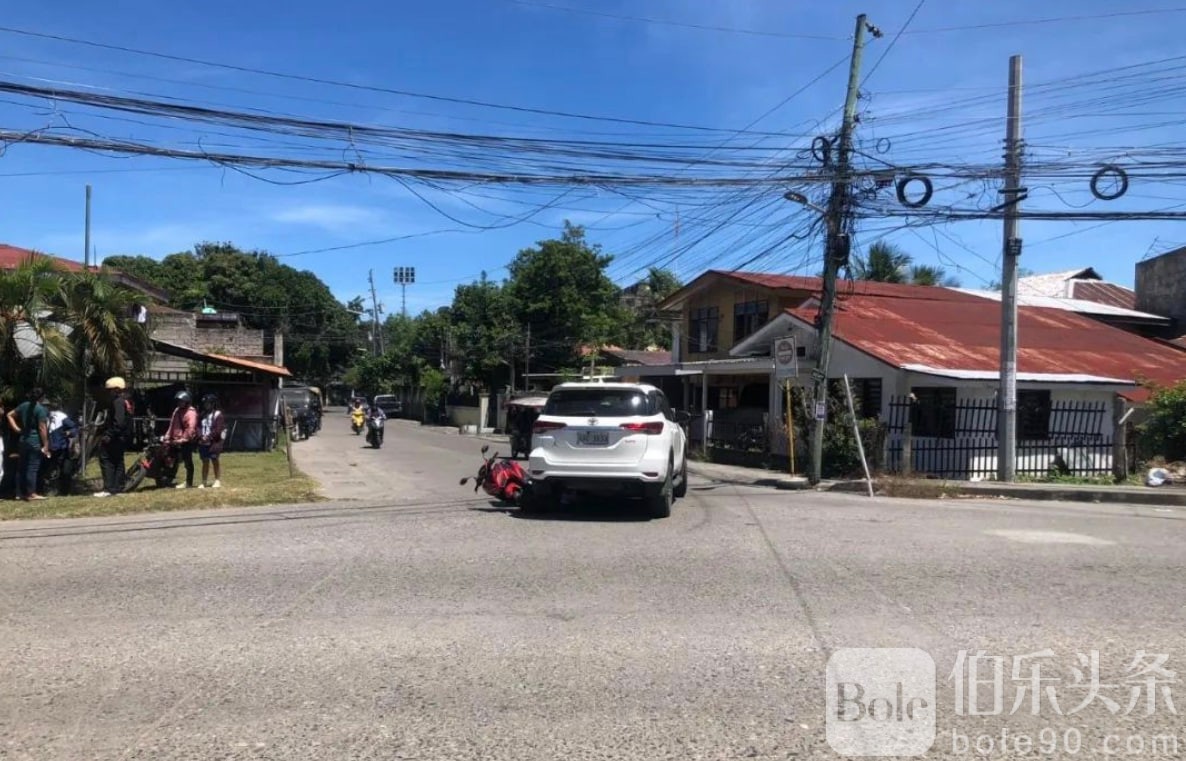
(543, 426)
(650, 429)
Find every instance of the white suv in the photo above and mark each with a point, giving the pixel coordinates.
(609, 438)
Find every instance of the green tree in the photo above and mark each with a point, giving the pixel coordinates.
(927, 274)
(561, 291)
(47, 317)
(1163, 432)
(644, 325)
(883, 263)
(323, 334)
(484, 332)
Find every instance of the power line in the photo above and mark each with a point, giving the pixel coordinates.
(1055, 20)
(682, 24)
(353, 85)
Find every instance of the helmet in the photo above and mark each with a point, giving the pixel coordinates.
(182, 396)
(212, 398)
(115, 382)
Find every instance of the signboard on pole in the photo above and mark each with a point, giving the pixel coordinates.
(786, 358)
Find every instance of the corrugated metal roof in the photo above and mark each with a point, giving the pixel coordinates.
(966, 336)
(1103, 292)
(13, 256)
(1053, 283)
(1021, 377)
(176, 350)
(1072, 305)
(846, 288)
(640, 356)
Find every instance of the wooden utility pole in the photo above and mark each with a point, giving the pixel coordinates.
(1013, 193)
(84, 438)
(527, 360)
(836, 250)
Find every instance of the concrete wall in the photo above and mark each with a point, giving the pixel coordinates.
(185, 330)
(1161, 287)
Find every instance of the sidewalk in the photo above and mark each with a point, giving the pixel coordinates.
(928, 488)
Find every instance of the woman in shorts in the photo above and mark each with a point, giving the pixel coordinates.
(211, 434)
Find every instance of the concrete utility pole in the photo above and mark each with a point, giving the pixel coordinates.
(375, 327)
(836, 250)
(1014, 193)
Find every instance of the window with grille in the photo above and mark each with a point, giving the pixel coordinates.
(748, 316)
(1033, 415)
(933, 414)
(702, 330)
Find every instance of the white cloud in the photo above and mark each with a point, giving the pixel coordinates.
(329, 217)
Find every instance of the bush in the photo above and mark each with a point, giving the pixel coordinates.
(1164, 431)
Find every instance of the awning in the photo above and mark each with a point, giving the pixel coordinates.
(238, 363)
(738, 366)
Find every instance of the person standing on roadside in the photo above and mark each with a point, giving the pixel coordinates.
(183, 433)
(30, 419)
(212, 433)
(113, 438)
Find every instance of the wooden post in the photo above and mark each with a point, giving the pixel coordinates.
(1120, 415)
(908, 438)
(790, 413)
(856, 430)
(704, 412)
(288, 440)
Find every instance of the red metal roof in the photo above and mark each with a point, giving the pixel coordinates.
(1104, 293)
(847, 287)
(12, 256)
(965, 335)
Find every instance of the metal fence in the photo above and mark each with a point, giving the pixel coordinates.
(1073, 441)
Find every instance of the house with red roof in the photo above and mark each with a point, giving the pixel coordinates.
(923, 361)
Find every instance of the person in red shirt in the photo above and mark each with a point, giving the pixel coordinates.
(183, 433)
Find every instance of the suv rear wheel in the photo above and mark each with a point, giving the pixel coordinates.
(659, 504)
(681, 489)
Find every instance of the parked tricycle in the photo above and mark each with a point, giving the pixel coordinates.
(521, 415)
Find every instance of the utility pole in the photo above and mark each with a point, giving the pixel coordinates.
(836, 249)
(527, 360)
(86, 349)
(1013, 195)
(375, 327)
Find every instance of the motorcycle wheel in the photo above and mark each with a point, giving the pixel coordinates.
(134, 476)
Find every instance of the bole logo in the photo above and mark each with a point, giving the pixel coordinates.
(880, 702)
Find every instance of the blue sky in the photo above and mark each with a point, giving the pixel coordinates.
(526, 54)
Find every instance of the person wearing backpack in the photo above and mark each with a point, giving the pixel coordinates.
(30, 420)
(114, 435)
(211, 435)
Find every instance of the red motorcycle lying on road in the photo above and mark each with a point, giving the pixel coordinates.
(502, 479)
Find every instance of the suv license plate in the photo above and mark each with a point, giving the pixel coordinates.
(593, 438)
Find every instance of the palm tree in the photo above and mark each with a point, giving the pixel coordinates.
(927, 274)
(99, 314)
(34, 348)
(47, 316)
(884, 263)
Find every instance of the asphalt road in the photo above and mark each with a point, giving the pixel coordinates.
(421, 622)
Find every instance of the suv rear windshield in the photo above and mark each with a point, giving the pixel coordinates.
(598, 402)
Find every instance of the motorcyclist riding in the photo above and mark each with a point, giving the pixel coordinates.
(375, 420)
(357, 417)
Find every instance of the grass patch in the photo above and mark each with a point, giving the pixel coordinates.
(248, 479)
(913, 488)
